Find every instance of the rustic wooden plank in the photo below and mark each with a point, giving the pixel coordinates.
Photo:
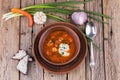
(26, 44)
(34, 70)
(9, 41)
(98, 72)
(49, 75)
(1, 47)
(79, 72)
(112, 39)
(36, 67)
(52, 76)
(26, 31)
(1, 38)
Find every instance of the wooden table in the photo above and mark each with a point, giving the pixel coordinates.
(15, 35)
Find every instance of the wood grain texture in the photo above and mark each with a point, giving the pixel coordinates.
(112, 39)
(27, 36)
(36, 68)
(9, 42)
(15, 34)
(26, 40)
(79, 72)
(98, 72)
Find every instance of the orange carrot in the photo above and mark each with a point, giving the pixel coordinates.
(16, 10)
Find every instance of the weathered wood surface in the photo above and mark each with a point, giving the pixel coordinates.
(78, 73)
(15, 35)
(26, 38)
(9, 41)
(112, 40)
(98, 72)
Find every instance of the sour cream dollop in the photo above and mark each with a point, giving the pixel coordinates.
(63, 49)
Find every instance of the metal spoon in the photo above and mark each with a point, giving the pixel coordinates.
(91, 33)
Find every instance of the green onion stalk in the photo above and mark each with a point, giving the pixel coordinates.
(57, 7)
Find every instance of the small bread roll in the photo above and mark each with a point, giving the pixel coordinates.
(20, 54)
(22, 65)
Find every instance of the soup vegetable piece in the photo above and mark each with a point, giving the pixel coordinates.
(59, 46)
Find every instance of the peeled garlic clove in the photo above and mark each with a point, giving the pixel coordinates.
(79, 17)
(20, 54)
(22, 65)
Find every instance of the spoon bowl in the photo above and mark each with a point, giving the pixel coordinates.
(91, 30)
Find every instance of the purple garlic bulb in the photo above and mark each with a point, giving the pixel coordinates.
(79, 17)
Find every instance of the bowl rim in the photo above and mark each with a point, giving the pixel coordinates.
(58, 27)
(60, 72)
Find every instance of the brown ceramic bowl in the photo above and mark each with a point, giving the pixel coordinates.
(57, 27)
(61, 68)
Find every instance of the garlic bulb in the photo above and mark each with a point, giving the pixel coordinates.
(79, 17)
(40, 18)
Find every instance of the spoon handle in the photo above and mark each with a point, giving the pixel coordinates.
(92, 62)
